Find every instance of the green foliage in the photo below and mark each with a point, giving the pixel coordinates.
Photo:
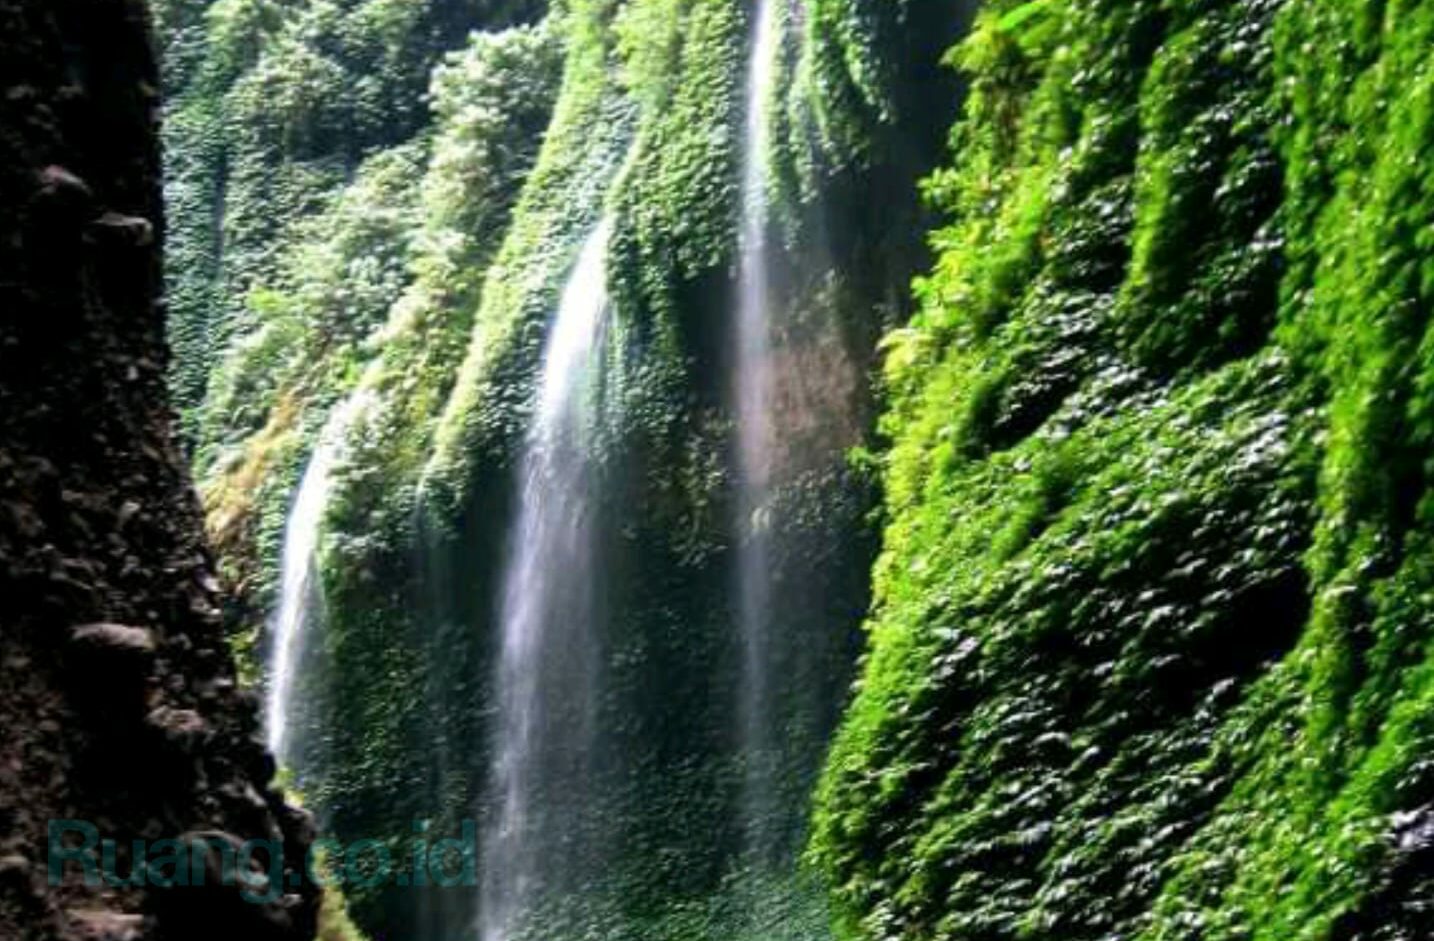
(346, 235)
(649, 36)
(646, 130)
(1017, 19)
(237, 31)
(1317, 809)
(270, 391)
(492, 100)
(844, 74)
(562, 199)
(1148, 657)
(272, 107)
(1151, 650)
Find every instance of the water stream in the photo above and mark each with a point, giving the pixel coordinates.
(299, 596)
(753, 394)
(549, 656)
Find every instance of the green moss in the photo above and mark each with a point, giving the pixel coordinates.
(1151, 649)
(646, 129)
(563, 198)
(361, 241)
(271, 109)
(1148, 658)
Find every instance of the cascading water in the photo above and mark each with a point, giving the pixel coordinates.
(299, 598)
(549, 655)
(753, 392)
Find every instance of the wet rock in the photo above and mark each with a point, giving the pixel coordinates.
(110, 666)
(229, 896)
(111, 654)
(182, 729)
(14, 870)
(244, 795)
(115, 642)
(99, 521)
(104, 926)
(61, 192)
(1414, 832)
(181, 644)
(300, 825)
(254, 758)
(127, 512)
(248, 810)
(299, 828)
(117, 229)
(216, 690)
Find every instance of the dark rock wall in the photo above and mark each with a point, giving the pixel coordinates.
(142, 733)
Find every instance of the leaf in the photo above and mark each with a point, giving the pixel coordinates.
(1013, 20)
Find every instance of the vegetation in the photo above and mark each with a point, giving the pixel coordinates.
(339, 236)
(1148, 657)
(1144, 485)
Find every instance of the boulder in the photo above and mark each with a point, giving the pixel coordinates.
(63, 194)
(110, 666)
(182, 729)
(113, 228)
(104, 926)
(221, 900)
(114, 642)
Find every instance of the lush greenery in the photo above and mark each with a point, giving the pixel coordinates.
(312, 177)
(1150, 649)
(338, 236)
(1151, 654)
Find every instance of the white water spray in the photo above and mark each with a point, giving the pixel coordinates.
(298, 593)
(753, 392)
(548, 653)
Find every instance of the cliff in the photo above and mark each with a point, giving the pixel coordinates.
(1150, 655)
(118, 698)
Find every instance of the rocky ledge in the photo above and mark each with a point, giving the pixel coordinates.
(120, 715)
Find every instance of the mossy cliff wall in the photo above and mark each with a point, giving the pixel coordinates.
(307, 202)
(416, 262)
(1149, 656)
(1151, 652)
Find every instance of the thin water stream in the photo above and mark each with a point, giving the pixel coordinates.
(300, 600)
(753, 393)
(549, 656)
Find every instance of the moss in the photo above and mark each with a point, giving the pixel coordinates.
(645, 129)
(417, 265)
(582, 150)
(271, 108)
(1147, 659)
(1150, 655)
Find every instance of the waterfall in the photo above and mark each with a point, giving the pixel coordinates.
(298, 595)
(753, 385)
(548, 656)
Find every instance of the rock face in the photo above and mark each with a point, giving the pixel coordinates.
(118, 703)
(1150, 655)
